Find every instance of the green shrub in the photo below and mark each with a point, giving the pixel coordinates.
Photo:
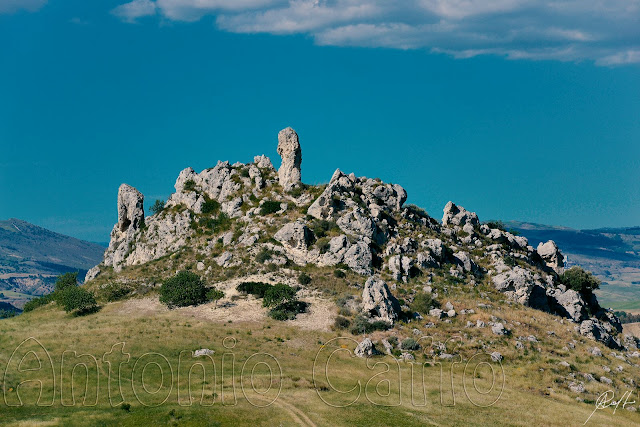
(256, 289)
(37, 302)
(410, 344)
(341, 323)
(214, 294)
(210, 206)
(157, 207)
(288, 310)
(77, 300)
(393, 340)
(6, 314)
(269, 207)
(278, 294)
(66, 280)
(183, 289)
(321, 227)
(323, 244)
(580, 280)
(264, 255)
(219, 223)
(190, 185)
(115, 291)
(362, 325)
(422, 303)
(304, 279)
(245, 173)
(339, 274)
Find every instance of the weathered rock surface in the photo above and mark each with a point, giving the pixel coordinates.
(289, 149)
(457, 215)
(366, 348)
(551, 256)
(378, 302)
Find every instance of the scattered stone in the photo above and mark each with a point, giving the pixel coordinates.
(499, 329)
(496, 357)
(378, 302)
(203, 352)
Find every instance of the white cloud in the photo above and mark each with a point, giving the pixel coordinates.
(130, 12)
(605, 31)
(10, 6)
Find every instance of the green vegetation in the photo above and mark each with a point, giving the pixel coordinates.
(77, 300)
(264, 255)
(288, 310)
(341, 323)
(210, 207)
(115, 291)
(269, 207)
(580, 280)
(422, 303)
(278, 294)
(340, 274)
(215, 295)
(183, 289)
(626, 317)
(322, 227)
(190, 185)
(410, 344)
(304, 279)
(362, 325)
(37, 302)
(256, 289)
(157, 207)
(66, 280)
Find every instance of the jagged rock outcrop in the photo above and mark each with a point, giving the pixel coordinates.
(457, 215)
(551, 256)
(378, 302)
(238, 216)
(289, 149)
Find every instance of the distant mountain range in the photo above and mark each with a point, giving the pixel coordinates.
(31, 257)
(613, 254)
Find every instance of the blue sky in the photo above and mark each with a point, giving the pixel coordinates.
(516, 111)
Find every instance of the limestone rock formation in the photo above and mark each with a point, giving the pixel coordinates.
(457, 215)
(366, 348)
(378, 302)
(551, 256)
(289, 150)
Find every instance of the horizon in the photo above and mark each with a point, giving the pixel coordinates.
(100, 94)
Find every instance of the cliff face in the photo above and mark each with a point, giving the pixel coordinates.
(353, 222)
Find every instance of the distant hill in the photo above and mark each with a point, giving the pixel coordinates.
(31, 257)
(613, 254)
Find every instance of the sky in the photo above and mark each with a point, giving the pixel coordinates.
(517, 110)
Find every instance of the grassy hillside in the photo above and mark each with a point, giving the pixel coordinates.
(154, 337)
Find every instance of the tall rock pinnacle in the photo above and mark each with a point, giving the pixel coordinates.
(289, 150)
(130, 208)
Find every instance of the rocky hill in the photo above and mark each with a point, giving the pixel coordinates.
(612, 254)
(31, 257)
(241, 219)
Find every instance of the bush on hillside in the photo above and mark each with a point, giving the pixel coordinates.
(288, 310)
(304, 279)
(183, 289)
(66, 280)
(115, 291)
(77, 300)
(279, 294)
(157, 207)
(37, 302)
(422, 303)
(256, 289)
(214, 295)
(269, 207)
(580, 280)
(362, 325)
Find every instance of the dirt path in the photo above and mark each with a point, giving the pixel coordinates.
(631, 328)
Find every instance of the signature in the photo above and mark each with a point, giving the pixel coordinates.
(607, 400)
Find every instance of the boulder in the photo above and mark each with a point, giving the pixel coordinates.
(366, 348)
(551, 256)
(499, 329)
(457, 215)
(358, 257)
(522, 286)
(295, 235)
(569, 304)
(289, 149)
(378, 302)
(203, 352)
(263, 162)
(464, 260)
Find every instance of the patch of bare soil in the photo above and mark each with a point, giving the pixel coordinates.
(239, 307)
(632, 328)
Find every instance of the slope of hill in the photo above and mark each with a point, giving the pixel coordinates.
(31, 257)
(276, 280)
(612, 254)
